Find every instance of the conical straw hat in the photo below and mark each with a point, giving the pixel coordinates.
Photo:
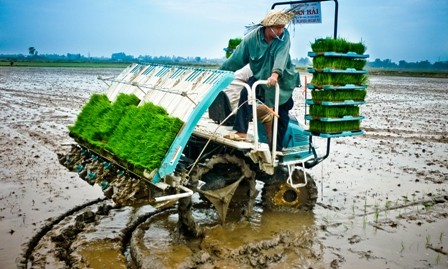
(277, 17)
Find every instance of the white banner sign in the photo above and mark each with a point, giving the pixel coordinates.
(308, 13)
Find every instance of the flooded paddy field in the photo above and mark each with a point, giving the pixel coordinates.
(383, 196)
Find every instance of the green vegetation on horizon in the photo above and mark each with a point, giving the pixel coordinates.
(63, 64)
(93, 64)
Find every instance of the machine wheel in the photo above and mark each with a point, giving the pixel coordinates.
(280, 196)
(223, 170)
(220, 174)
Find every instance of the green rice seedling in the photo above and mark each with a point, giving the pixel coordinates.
(406, 199)
(338, 95)
(99, 117)
(338, 45)
(321, 62)
(388, 204)
(139, 136)
(359, 48)
(365, 207)
(338, 79)
(90, 117)
(317, 126)
(319, 45)
(144, 135)
(330, 45)
(428, 205)
(333, 111)
(113, 116)
(376, 214)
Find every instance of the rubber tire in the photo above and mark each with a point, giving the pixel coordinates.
(223, 170)
(280, 196)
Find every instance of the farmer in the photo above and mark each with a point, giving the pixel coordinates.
(266, 49)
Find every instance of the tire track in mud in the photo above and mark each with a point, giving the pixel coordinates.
(29, 247)
(67, 235)
(135, 243)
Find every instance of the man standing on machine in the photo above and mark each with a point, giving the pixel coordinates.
(266, 49)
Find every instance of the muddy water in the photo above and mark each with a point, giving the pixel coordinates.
(382, 196)
(266, 238)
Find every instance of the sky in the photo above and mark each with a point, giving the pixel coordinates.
(410, 30)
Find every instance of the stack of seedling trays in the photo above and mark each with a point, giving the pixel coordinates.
(338, 88)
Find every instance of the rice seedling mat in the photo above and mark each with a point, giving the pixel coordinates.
(328, 103)
(137, 136)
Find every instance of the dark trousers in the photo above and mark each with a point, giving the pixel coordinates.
(244, 115)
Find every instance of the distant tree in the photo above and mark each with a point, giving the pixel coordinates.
(32, 51)
(441, 65)
(304, 61)
(377, 63)
(387, 63)
(424, 64)
(403, 64)
(197, 59)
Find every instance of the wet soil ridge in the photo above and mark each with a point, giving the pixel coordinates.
(29, 246)
(70, 241)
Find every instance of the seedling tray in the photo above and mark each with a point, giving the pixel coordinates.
(334, 127)
(335, 135)
(324, 119)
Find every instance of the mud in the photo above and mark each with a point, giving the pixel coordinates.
(382, 197)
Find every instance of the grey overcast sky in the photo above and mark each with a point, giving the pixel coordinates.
(411, 30)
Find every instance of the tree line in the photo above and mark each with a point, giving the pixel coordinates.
(388, 64)
(122, 57)
(421, 65)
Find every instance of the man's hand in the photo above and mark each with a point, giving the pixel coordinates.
(272, 80)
